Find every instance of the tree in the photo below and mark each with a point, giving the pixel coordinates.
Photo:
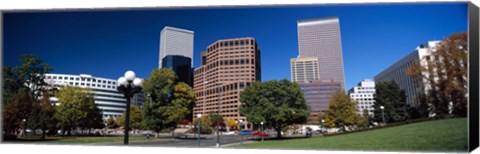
(94, 118)
(136, 120)
(389, 95)
(216, 120)
(73, 108)
(42, 116)
(206, 125)
(168, 102)
(180, 106)
(22, 86)
(278, 103)
(342, 110)
(445, 73)
(231, 123)
(17, 109)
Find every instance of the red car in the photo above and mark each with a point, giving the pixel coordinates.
(260, 134)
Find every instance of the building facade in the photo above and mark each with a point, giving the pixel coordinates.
(181, 65)
(397, 73)
(107, 98)
(228, 66)
(304, 69)
(175, 41)
(317, 95)
(364, 94)
(321, 38)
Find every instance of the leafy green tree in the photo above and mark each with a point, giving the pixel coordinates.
(168, 102)
(27, 81)
(389, 95)
(42, 116)
(94, 118)
(206, 125)
(216, 120)
(342, 111)
(73, 108)
(180, 107)
(136, 120)
(278, 103)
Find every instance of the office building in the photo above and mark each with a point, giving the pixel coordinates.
(397, 73)
(364, 94)
(319, 66)
(228, 66)
(110, 102)
(182, 67)
(321, 38)
(317, 95)
(175, 41)
(304, 69)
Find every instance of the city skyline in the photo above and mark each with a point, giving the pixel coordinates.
(98, 42)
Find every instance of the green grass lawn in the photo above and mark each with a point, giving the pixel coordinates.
(438, 135)
(86, 140)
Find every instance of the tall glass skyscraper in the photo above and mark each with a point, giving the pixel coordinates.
(175, 41)
(181, 65)
(321, 38)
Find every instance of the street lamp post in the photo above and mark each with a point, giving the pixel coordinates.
(240, 132)
(323, 121)
(383, 115)
(199, 116)
(105, 133)
(128, 85)
(261, 123)
(218, 120)
(24, 127)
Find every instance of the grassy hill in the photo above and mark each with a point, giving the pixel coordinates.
(439, 135)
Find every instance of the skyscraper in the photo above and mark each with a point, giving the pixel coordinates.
(319, 66)
(176, 51)
(228, 66)
(321, 38)
(175, 41)
(182, 67)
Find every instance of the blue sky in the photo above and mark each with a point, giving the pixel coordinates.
(106, 43)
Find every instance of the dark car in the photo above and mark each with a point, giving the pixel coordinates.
(260, 134)
(245, 132)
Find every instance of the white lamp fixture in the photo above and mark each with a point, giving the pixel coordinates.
(122, 81)
(137, 82)
(130, 75)
(381, 107)
(199, 115)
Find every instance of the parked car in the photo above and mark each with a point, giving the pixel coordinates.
(260, 134)
(245, 132)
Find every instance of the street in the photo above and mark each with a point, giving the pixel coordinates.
(208, 141)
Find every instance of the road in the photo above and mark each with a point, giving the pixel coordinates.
(206, 141)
